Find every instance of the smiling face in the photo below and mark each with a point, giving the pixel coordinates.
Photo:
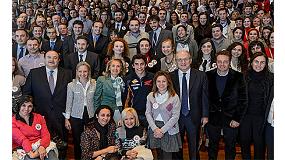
(129, 120)
(238, 34)
(104, 116)
(161, 84)
(167, 48)
(82, 73)
(206, 48)
(25, 109)
(237, 51)
(252, 35)
(181, 32)
(115, 68)
(139, 66)
(144, 47)
(118, 48)
(258, 64)
(81, 45)
(223, 63)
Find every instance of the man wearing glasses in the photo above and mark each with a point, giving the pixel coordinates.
(192, 87)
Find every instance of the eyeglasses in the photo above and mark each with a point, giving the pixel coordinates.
(181, 60)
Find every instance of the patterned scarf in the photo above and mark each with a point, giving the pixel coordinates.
(118, 85)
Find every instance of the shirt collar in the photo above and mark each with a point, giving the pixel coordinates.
(84, 53)
(187, 72)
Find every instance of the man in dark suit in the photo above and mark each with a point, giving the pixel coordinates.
(119, 25)
(227, 102)
(98, 42)
(53, 43)
(83, 55)
(162, 13)
(19, 48)
(48, 86)
(192, 87)
(70, 40)
(157, 35)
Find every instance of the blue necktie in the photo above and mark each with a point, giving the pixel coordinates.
(52, 44)
(184, 101)
(80, 57)
(21, 52)
(154, 38)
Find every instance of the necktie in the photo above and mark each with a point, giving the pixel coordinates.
(204, 65)
(80, 58)
(184, 101)
(51, 81)
(52, 44)
(21, 52)
(118, 27)
(154, 38)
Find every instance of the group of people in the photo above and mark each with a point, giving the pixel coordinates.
(133, 77)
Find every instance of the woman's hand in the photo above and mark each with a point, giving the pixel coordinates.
(158, 133)
(112, 149)
(67, 124)
(42, 152)
(33, 154)
(131, 154)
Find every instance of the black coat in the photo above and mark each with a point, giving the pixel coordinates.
(231, 105)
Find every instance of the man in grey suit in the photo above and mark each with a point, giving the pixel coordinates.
(192, 87)
(157, 36)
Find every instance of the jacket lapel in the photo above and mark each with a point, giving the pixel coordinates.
(192, 80)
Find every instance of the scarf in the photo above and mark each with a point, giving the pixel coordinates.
(118, 85)
(103, 134)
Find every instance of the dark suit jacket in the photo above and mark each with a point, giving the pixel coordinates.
(123, 30)
(15, 50)
(68, 46)
(58, 46)
(101, 46)
(91, 58)
(198, 94)
(51, 106)
(164, 34)
(231, 105)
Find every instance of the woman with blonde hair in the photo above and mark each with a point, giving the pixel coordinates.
(110, 87)
(79, 103)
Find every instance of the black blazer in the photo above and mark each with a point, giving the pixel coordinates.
(198, 94)
(101, 46)
(164, 34)
(232, 104)
(37, 86)
(58, 46)
(123, 30)
(15, 49)
(91, 58)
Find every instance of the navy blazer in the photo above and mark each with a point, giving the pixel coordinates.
(198, 94)
(15, 50)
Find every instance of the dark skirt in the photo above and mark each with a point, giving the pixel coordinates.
(168, 143)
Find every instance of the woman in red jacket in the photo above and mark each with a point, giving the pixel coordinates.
(30, 135)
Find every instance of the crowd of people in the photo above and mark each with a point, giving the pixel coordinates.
(137, 79)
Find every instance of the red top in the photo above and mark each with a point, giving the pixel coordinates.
(24, 135)
(269, 52)
(265, 5)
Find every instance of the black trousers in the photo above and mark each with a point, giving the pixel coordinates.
(269, 140)
(77, 127)
(162, 155)
(250, 130)
(230, 136)
(192, 134)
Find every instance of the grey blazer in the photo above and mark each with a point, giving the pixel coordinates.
(75, 99)
(169, 111)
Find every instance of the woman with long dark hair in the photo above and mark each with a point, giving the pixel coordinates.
(259, 84)
(239, 61)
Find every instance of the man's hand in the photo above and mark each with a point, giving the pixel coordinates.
(204, 121)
